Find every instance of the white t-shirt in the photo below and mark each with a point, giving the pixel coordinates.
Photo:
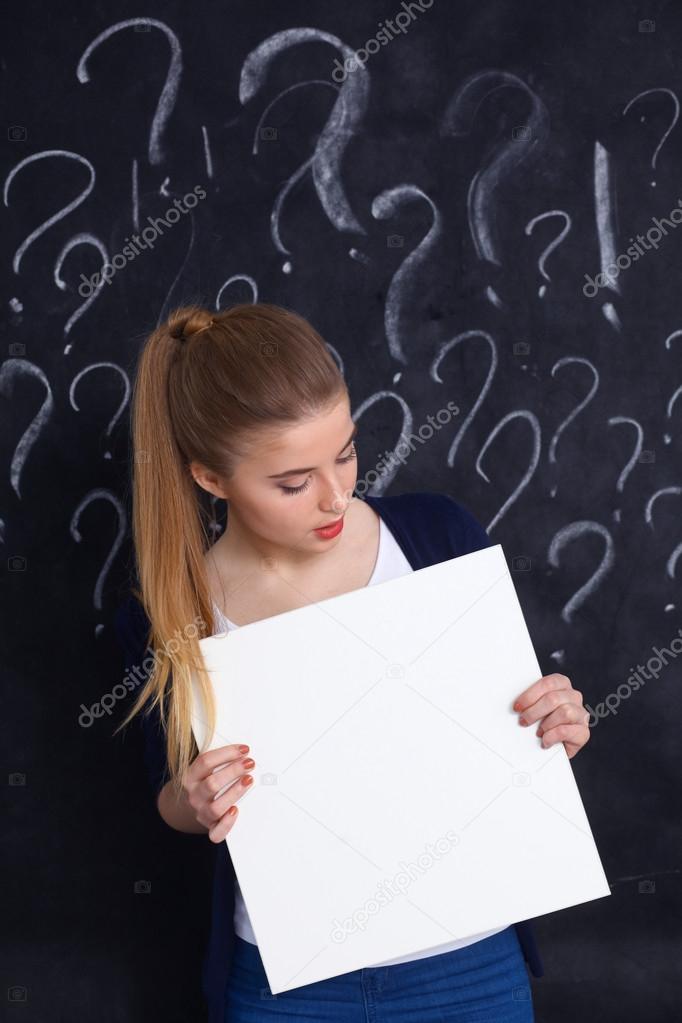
(390, 563)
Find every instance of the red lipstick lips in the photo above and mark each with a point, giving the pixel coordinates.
(328, 532)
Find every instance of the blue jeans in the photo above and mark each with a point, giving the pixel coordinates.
(486, 982)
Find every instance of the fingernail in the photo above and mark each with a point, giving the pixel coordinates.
(232, 811)
(243, 749)
(247, 780)
(522, 721)
(246, 764)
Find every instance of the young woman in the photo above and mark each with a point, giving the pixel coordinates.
(248, 405)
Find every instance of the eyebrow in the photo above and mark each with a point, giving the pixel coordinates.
(295, 472)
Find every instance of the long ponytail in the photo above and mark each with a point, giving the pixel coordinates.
(205, 383)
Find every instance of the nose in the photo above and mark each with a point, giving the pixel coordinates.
(333, 500)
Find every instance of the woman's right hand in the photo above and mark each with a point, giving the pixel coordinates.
(206, 776)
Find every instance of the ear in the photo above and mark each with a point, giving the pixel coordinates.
(208, 481)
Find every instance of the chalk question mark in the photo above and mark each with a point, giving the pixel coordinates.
(523, 145)
(11, 371)
(80, 239)
(673, 122)
(532, 420)
(671, 564)
(126, 392)
(340, 127)
(634, 457)
(169, 93)
(100, 495)
(385, 205)
(63, 212)
(546, 252)
(574, 531)
(440, 355)
(559, 364)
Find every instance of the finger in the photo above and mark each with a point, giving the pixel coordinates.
(550, 702)
(226, 809)
(543, 685)
(577, 735)
(224, 776)
(235, 784)
(565, 714)
(214, 759)
(219, 831)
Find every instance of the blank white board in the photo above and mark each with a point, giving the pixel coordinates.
(397, 803)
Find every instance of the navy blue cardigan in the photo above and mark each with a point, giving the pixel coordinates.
(429, 528)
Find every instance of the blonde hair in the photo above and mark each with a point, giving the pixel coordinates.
(205, 384)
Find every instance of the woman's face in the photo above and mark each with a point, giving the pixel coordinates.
(296, 479)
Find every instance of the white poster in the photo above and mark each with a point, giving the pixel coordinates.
(397, 803)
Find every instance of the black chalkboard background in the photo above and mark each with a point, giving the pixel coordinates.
(462, 187)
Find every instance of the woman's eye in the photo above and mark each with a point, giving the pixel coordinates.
(297, 490)
(304, 486)
(347, 458)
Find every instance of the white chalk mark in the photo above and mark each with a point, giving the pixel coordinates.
(574, 531)
(634, 458)
(378, 488)
(532, 465)
(164, 107)
(238, 277)
(440, 355)
(11, 371)
(135, 189)
(79, 239)
(63, 212)
(676, 114)
(605, 213)
(386, 205)
(337, 358)
(207, 152)
(567, 360)
(126, 392)
(342, 124)
(611, 316)
(648, 518)
(101, 495)
(507, 155)
(546, 252)
(165, 307)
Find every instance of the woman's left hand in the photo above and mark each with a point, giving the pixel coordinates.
(558, 707)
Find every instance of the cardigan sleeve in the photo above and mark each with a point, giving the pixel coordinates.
(131, 626)
(466, 532)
